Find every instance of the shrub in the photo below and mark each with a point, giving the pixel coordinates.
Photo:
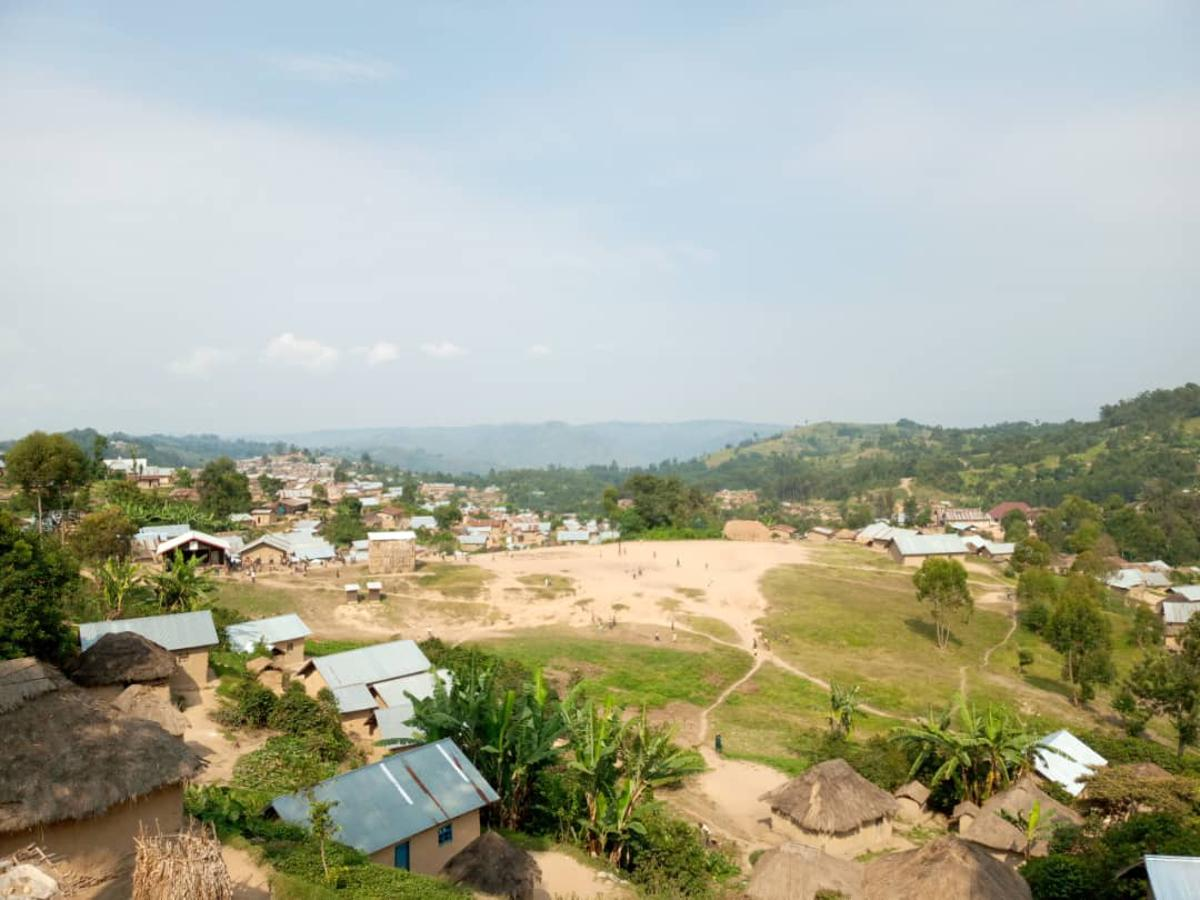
(284, 765)
(1061, 878)
(668, 859)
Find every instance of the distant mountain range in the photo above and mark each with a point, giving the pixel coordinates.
(480, 448)
(471, 449)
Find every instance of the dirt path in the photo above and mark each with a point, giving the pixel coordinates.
(1012, 627)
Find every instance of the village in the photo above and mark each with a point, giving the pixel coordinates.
(161, 700)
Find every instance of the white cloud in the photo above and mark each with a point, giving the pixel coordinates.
(539, 350)
(200, 363)
(333, 68)
(378, 353)
(289, 350)
(443, 350)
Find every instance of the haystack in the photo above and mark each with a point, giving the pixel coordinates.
(947, 867)
(67, 758)
(746, 530)
(796, 872)
(141, 702)
(494, 866)
(836, 807)
(122, 658)
(184, 866)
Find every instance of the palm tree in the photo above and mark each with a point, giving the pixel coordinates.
(118, 581)
(182, 587)
(984, 754)
(843, 707)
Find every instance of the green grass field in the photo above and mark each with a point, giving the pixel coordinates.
(714, 628)
(458, 582)
(693, 670)
(255, 601)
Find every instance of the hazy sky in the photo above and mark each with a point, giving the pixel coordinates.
(246, 217)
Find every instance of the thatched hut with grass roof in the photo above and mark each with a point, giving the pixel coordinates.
(910, 802)
(140, 701)
(494, 866)
(78, 780)
(1018, 799)
(836, 809)
(946, 867)
(798, 872)
(119, 659)
(1000, 838)
(964, 814)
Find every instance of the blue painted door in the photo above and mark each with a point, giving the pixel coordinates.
(400, 859)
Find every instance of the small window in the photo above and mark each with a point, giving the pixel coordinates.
(446, 834)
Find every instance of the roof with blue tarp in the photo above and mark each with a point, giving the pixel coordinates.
(178, 631)
(390, 801)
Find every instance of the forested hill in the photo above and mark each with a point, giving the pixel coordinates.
(1152, 437)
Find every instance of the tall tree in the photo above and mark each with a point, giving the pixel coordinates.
(35, 576)
(120, 582)
(47, 467)
(103, 534)
(1079, 631)
(223, 489)
(1168, 684)
(942, 583)
(843, 707)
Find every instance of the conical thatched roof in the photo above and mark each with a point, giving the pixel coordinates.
(914, 790)
(494, 866)
(1017, 800)
(947, 867)
(991, 831)
(65, 757)
(141, 702)
(965, 808)
(797, 872)
(831, 798)
(122, 658)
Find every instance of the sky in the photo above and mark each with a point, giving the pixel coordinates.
(252, 218)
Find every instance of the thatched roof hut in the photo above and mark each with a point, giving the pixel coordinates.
(946, 867)
(140, 702)
(494, 866)
(1018, 799)
(122, 658)
(796, 872)
(914, 791)
(67, 758)
(831, 798)
(964, 813)
(995, 834)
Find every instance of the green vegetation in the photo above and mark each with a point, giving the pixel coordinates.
(49, 468)
(314, 647)
(345, 525)
(461, 582)
(102, 535)
(255, 600)
(223, 489)
(714, 628)
(650, 675)
(36, 575)
(942, 583)
(183, 587)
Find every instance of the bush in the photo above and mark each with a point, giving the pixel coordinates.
(1060, 878)
(283, 765)
(668, 859)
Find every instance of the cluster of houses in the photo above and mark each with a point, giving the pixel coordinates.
(98, 751)
(833, 815)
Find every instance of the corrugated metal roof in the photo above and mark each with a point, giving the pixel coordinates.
(1000, 549)
(369, 665)
(1174, 877)
(178, 631)
(1073, 762)
(1179, 612)
(420, 686)
(928, 544)
(391, 723)
(189, 536)
(422, 522)
(396, 798)
(245, 636)
(353, 698)
(1187, 591)
(154, 533)
(473, 539)
(574, 536)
